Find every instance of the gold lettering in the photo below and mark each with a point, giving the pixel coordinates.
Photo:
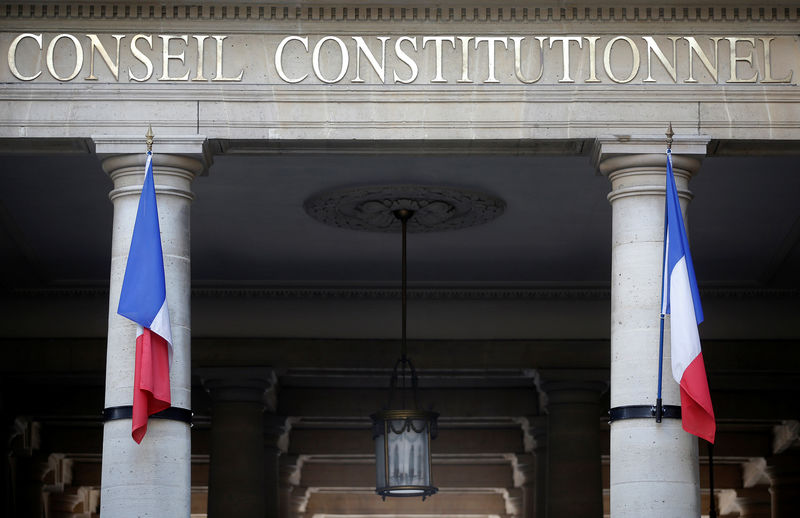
(138, 54)
(653, 48)
(279, 57)
(518, 59)
(78, 57)
(735, 59)
(437, 40)
(379, 69)
(96, 44)
(464, 59)
(491, 41)
(592, 59)
(166, 57)
(12, 56)
(405, 58)
(694, 48)
(768, 65)
(342, 51)
(565, 77)
(200, 57)
(219, 76)
(634, 64)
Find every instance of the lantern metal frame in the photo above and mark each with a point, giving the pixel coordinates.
(383, 419)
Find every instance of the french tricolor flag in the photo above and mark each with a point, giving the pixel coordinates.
(144, 300)
(681, 300)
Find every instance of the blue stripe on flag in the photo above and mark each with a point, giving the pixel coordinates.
(677, 243)
(143, 288)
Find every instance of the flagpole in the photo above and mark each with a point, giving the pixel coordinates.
(659, 405)
(712, 504)
(149, 138)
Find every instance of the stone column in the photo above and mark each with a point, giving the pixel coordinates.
(574, 477)
(274, 428)
(150, 479)
(654, 467)
(236, 471)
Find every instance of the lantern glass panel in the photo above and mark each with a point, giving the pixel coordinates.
(380, 462)
(408, 454)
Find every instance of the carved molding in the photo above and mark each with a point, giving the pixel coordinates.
(25, 436)
(754, 473)
(434, 208)
(394, 13)
(785, 436)
(512, 497)
(415, 293)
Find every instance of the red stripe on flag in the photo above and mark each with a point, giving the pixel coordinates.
(151, 392)
(696, 410)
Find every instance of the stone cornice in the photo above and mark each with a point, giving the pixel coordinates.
(408, 11)
(416, 94)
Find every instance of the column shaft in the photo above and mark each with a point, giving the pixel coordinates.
(654, 467)
(574, 482)
(151, 479)
(236, 478)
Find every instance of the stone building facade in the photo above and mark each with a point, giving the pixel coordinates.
(526, 327)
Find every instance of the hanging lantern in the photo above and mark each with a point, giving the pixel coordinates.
(403, 447)
(403, 433)
(403, 437)
(403, 452)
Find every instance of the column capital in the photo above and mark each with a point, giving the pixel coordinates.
(176, 161)
(610, 146)
(195, 146)
(236, 384)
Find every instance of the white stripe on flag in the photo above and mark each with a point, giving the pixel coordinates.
(684, 337)
(160, 324)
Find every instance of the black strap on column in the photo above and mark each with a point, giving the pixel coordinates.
(172, 413)
(643, 412)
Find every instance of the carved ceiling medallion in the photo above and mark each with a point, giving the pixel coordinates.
(435, 208)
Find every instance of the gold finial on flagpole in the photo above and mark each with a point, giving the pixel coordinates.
(149, 135)
(669, 135)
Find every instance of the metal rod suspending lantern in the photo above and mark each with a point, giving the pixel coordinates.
(403, 436)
